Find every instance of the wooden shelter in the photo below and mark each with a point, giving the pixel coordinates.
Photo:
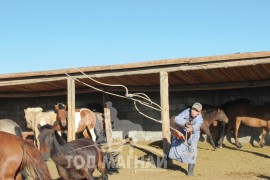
(243, 70)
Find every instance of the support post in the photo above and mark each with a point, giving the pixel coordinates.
(108, 122)
(71, 109)
(164, 101)
(108, 126)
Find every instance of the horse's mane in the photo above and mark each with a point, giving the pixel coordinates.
(34, 109)
(207, 107)
(59, 139)
(236, 101)
(46, 126)
(61, 106)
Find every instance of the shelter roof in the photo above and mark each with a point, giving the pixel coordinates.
(240, 70)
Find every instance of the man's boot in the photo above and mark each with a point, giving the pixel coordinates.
(190, 169)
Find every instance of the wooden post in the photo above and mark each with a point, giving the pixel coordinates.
(71, 109)
(108, 125)
(107, 119)
(164, 101)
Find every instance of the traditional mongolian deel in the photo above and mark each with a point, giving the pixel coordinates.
(182, 151)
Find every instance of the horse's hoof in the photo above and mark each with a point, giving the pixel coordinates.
(262, 145)
(239, 147)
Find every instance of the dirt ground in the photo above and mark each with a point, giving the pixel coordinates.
(139, 162)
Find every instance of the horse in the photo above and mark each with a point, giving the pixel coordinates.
(87, 123)
(74, 160)
(239, 112)
(9, 126)
(17, 154)
(209, 114)
(35, 116)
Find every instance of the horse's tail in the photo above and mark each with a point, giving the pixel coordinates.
(32, 159)
(18, 131)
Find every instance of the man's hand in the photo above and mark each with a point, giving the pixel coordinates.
(189, 128)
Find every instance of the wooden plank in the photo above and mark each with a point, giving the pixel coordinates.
(164, 101)
(215, 86)
(166, 62)
(149, 70)
(30, 81)
(181, 67)
(177, 67)
(71, 109)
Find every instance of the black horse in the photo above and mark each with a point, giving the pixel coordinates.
(74, 160)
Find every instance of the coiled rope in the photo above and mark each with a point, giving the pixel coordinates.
(136, 97)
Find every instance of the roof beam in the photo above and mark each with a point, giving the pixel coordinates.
(217, 86)
(172, 68)
(148, 64)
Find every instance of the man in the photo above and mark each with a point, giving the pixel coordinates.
(184, 149)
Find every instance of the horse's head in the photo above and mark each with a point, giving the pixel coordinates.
(30, 116)
(222, 116)
(61, 110)
(48, 139)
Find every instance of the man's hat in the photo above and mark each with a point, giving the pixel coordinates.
(197, 106)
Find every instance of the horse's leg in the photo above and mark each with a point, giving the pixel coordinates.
(19, 176)
(62, 173)
(101, 165)
(101, 138)
(207, 131)
(263, 137)
(236, 129)
(223, 127)
(36, 134)
(93, 134)
(91, 177)
(38, 143)
(35, 139)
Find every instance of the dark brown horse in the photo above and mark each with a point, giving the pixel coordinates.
(88, 124)
(74, 160)
(16, 154)
(209, 114)
(240, 112)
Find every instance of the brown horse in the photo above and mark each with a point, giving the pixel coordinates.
(209, 114)
(88, 124)
(17, 154)
(241, 112)
(74, 160)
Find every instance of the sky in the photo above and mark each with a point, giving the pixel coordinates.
(58, 34)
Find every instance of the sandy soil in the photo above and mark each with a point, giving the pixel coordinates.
(139, 162)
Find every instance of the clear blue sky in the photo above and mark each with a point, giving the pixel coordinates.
(55, 34)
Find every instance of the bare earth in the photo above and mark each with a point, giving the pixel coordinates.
(139, 162)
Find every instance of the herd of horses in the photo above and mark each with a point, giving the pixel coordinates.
(19, 156)
(50, 128)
